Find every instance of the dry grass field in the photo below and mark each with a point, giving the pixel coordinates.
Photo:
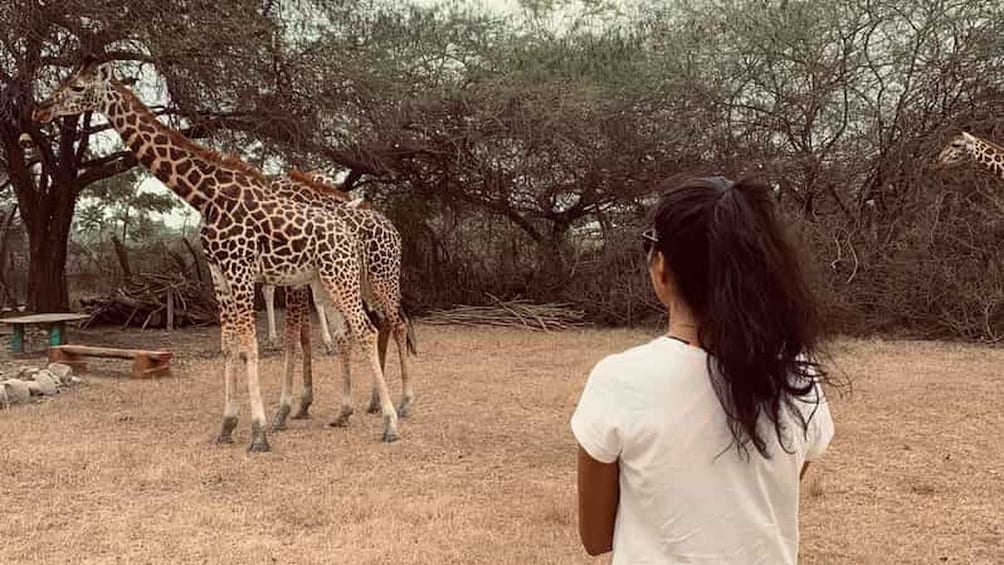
(121, 471)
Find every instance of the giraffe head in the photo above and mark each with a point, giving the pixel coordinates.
(960, 148)
(83, 91)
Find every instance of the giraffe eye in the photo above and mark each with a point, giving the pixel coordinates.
(77, 88)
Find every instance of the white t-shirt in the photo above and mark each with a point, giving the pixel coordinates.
(686, 495)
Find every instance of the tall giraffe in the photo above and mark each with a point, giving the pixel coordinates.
(381, 264)
(984, 152)
(248, 234)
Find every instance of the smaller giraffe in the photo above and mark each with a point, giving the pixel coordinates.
(984, 152)
(380, 277)
(334, 196)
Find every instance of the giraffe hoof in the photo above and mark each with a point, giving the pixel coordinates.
(390, 436)
(403, 410)
(303, 408)
(259, 442)
(259, 447)
(279, 423)
(373, 409)
(226, 430)
(342, 420)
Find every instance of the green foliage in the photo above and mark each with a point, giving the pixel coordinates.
(117, 206)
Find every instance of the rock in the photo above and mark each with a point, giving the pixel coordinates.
(17, 391)
(61, 371)
(47, 383)
(75, 380)
(26, 373)
(4, 403)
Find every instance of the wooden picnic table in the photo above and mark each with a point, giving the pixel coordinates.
(54, 322)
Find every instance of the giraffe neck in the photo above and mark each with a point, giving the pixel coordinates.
(190, 171)
(989, 155)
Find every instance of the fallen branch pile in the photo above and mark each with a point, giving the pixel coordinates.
(510, 314)
(154, 301)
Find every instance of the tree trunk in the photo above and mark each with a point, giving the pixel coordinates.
(48, 226)
(123, 257)
(47, 289)
(4, 238)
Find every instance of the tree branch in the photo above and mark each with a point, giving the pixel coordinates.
(104, 167)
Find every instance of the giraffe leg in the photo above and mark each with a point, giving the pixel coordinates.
(407, 392)
(346, 410)
(329, 345)
(243, 297)
(383, 337)
(322, 319)
(268, 291)
(307, 396)
(229, 346)
(387, 292)
(346, 296)
(296, 312)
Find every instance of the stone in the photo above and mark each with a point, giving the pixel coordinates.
(26, 373)
(46, 383)
(61, 371)
(4, 403)
(17, 391)
(75, 380)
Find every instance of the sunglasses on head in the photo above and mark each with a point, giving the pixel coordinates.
(648, 240)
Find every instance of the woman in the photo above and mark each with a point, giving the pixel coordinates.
(691, 447)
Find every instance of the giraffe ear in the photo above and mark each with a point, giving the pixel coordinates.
(968, 137)
(104, 72)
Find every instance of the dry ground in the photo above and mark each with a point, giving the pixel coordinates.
(121, 471)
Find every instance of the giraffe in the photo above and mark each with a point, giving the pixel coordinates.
(336, 196)
(248, 235)
(984, 152)
(382, 265)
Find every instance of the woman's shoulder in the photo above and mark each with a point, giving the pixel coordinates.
(658, 354)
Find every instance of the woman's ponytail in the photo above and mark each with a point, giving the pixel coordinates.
(737, 269)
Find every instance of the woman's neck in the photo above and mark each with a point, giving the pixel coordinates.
(683, 324)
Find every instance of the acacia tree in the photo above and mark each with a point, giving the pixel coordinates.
(40, 42)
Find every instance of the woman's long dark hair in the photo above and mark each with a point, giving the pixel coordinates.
(735, 266)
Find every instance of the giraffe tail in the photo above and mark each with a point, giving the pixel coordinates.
(410, 336)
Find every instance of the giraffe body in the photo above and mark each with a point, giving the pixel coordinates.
(249, 235)
(381, 270)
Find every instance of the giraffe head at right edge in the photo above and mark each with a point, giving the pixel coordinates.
(85, 90)
(957, 150)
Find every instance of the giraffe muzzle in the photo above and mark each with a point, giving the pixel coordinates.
(42, 114)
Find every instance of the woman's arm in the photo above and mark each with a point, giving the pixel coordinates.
(599, 493)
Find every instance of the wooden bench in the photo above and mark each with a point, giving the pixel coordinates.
(145, 363)
(55, 323)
